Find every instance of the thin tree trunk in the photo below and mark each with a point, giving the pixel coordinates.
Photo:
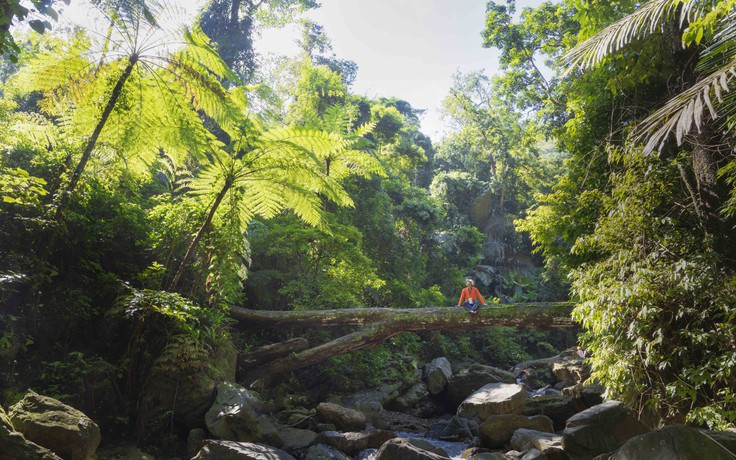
(202, 230)
(92, 142)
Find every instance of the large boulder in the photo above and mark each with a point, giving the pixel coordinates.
(185, 382)
(436, 374)
(343, 418)
(324, 452)
(558, 408)
(467, 381)
(236, 415)
(231, 450)
(52, 424)
(497, 430)
(527, 439)
(296, 438)
(600, 429)
(454, 429)
(353, 442)
(14, 446)
(677, 441)
(493, 399)
(589, 394)
(410, 449)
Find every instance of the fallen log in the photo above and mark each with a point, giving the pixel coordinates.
(380, 324)
(271, 352)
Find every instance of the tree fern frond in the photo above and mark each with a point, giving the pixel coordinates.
(649, 18)
(684, 112)
(37, 129)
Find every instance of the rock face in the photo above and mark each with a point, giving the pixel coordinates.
(677, 441)
(600, 429)
(344, 418)
(14, 446)
(54, 425)
(436, 374)
(410, 449)
(493, 399)
(467, 381)
(236, 416)
(230, 450)
(497, 430)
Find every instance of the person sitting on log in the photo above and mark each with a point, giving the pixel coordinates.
(470, 297)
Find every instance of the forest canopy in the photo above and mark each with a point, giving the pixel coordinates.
(165, 174)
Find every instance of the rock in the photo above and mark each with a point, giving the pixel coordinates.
(410, 449)
(558, 408)
(465, 382)
(368, 454)
(676, 441)
(590, 394)
(236, 416)
(52, 424)
(351, 442)
(570, 370)
(323, 452)
(186, 382)
(342, 417)
(195, 441)
(14, 446)
(123, 452)
(436, 374)
(497, 430)
(410, 399)
(600, 429)
(543, 441)
(231, 450)
(493, 399)
(453, 430)
(296, 438)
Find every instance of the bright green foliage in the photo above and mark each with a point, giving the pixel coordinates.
(307, 268)
(662, 326)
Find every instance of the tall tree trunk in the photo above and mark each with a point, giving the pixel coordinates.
(92, 142)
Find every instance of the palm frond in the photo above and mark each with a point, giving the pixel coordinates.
(684, 112)
(646, 20)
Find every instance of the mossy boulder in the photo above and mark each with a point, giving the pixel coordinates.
(56, 426)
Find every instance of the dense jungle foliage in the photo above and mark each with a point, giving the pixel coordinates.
(153, 174)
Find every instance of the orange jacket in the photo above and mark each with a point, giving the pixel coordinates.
(471, 293)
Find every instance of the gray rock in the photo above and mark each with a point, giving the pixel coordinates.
(323, 452)
(590, 394)
(493, 399)
(558, 408)
(410, 449)
(600, 429)
(467, 381)
(677, 441)
(14, 446)
(352, 442)
(452, 430)
(543, 441)
(231, 450)
(52, 424)
(236, 416)
(343, 418)
(436, 374)
(497, 430)
(195, 441)
(296, 438)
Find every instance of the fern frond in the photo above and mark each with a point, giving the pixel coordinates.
(646, 20)
(684, 112)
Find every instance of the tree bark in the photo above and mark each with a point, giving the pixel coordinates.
(379, 324)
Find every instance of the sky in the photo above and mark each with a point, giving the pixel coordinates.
(409, 49)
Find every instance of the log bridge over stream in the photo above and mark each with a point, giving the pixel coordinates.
(376, 325)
